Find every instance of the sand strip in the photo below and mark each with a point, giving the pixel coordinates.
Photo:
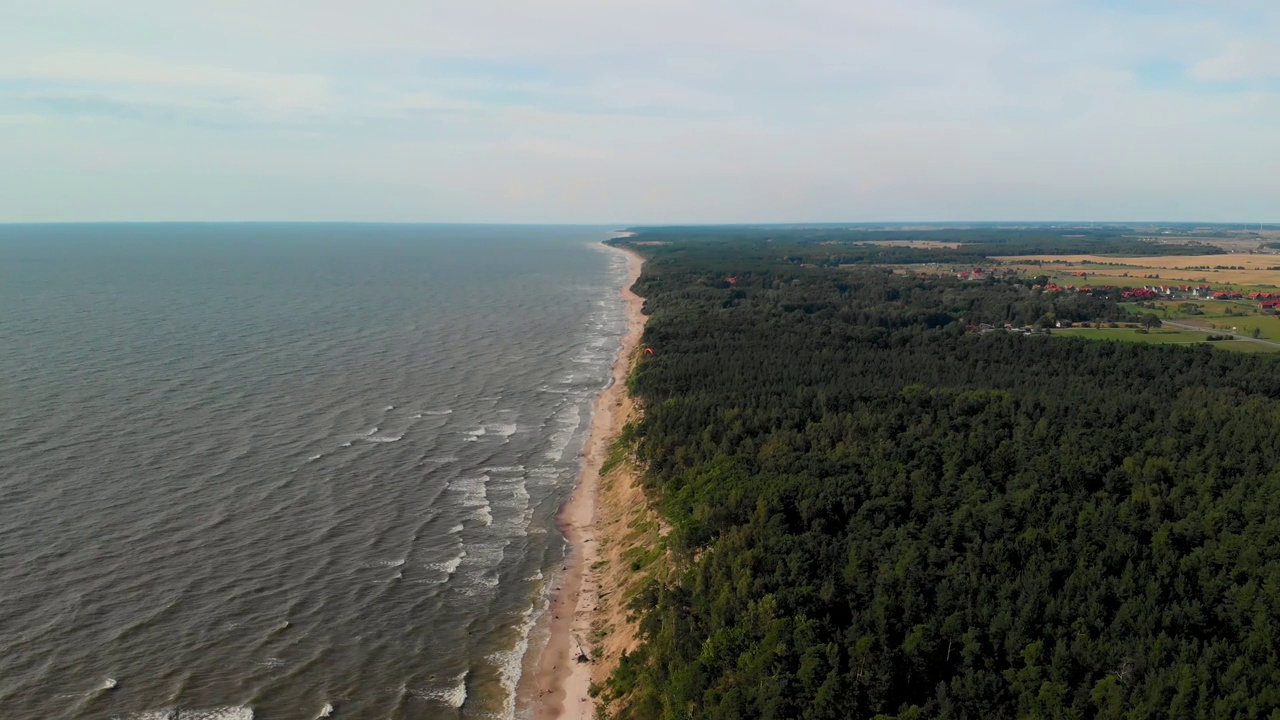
(557, 688)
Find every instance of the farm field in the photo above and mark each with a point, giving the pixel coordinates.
(1162, 336)
(1242, 271)
(1213, 317)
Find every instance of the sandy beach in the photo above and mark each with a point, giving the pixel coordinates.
(556, 685)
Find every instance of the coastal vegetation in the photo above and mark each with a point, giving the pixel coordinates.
(881, 503)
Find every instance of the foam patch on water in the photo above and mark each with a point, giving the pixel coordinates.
(446, 411)
(475, 494)
(566, 422)
(448, 567)
(453, 696)
(505, 469)
(510, 663)
(222, 713)
(503, 430)
(384, 438)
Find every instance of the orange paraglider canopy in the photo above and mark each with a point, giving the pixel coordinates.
(648, 351)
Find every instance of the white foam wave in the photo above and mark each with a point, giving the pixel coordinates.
(486, 556)
(389, 408)
(385, 438)
(326, 711)
(456, 529)
(475, 494)
(385, 563)
(374, 430)
(511, 662)
(505, 469)
(346, 444)
(477, 432)
(501, 429)
(448, 567)
(222, 713)
(317, 456)
(453, 696)
(446, 411)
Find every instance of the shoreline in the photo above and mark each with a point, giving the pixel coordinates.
(556, 685)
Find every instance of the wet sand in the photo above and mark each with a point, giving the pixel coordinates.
(558, 686)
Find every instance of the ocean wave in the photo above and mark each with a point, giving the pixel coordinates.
(505, 469)
(385, 438)
(500, 429)
(453, 696)
(475, 494)
(446, 411)
(448, 567)
(510, 663)
(222, 713)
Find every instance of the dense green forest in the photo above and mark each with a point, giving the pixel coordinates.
(876, 511)
(851, 245)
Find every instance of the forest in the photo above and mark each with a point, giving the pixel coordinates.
(825, 245)
(876, 512)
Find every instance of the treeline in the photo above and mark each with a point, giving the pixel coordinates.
(877, 512)
(854, 245)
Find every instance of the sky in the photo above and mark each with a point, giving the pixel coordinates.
(639, 111)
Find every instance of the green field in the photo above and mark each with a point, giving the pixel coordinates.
(1268, 326)
(1157, 336)
(1244, 317)
(1161, 336)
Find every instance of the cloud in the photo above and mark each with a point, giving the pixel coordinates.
(115, 70)
(646, 110)
(1240, 61)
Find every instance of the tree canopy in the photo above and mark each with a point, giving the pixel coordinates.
(879, 511)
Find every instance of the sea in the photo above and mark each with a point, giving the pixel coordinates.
(288, 471)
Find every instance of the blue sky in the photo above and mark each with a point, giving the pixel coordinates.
(639, 111)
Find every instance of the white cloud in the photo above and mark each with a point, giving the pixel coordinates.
(1240, 61)
(649, 110)
(81, 68)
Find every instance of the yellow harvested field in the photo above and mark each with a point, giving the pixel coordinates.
(1235, 268)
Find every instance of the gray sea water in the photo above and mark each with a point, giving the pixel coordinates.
(278, 471)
